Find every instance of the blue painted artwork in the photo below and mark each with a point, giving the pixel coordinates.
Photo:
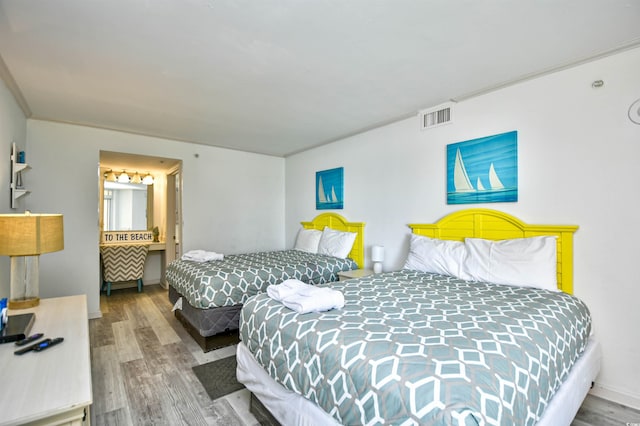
(483, 170)
(330, 189)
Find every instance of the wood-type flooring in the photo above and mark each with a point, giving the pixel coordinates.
(141, 360)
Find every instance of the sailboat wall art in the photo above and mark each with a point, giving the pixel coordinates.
(483, 170)
(330, 189)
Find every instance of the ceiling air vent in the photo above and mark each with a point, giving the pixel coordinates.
(433, 117)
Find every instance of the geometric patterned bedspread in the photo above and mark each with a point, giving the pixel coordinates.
(417, 348)
(233, 280)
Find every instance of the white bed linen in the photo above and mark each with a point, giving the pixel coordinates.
(289, 408)
(567, 401)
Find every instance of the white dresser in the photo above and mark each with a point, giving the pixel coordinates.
(52, 386)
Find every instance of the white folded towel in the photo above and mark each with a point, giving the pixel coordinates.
(303, 298)
(285, 289)
(202, 256)
(316, 299)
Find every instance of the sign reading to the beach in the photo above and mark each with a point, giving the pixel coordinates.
(124, 237)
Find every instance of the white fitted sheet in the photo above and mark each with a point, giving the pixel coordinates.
(289, 408)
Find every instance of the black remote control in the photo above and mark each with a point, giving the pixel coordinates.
(30, 348)
(29, 339)
(47, 344)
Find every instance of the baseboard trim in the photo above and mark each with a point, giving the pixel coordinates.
(610, 394)
(95, 315)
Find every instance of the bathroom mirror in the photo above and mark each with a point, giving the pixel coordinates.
(127, 206)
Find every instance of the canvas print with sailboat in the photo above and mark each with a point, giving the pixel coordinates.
(330, 189)
(483, 170)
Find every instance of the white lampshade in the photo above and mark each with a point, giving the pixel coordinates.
(377, 253)
(148, 179)
(377, 256)
(123, 178)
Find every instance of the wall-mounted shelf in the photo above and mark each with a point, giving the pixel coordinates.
(17, 190)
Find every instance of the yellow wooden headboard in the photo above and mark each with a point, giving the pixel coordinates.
(495, 225)
(339, 223)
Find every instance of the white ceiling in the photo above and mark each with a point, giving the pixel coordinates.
(279, 77)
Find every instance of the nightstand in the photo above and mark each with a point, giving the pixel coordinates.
(356, 273)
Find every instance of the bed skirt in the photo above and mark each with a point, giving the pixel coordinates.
(211, 328)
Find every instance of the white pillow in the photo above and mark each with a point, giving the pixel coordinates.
(336, 243)
(437, 256)
(525, 262)
(308, 240)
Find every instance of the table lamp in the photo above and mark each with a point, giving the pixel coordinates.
(377, 257)
(25, 237)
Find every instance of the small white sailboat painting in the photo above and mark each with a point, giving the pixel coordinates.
(479, 185)
(329, 179)
(461, 180)
(494, 180)
(483, 170)
(334, 198)
(322, 198)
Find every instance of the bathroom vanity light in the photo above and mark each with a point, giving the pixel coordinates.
(148, 179)
(123, 178)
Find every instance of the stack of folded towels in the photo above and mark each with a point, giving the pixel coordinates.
(202, 256)
(304, 298)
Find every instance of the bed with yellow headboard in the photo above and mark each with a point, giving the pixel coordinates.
(495, 225)
(339, 223)
(210, 294)
(429, 348)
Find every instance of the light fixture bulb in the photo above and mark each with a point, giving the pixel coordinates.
(148, 179)
(110, 176)
(136, 178)
(123, 178)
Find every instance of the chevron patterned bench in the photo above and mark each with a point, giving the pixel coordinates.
(122, 263)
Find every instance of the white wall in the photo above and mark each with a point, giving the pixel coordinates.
(231, 201)
(13, 128)
(578, 164)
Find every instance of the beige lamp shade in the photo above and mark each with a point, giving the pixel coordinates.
(30, 234)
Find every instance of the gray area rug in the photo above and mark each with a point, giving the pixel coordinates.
(218, 377)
